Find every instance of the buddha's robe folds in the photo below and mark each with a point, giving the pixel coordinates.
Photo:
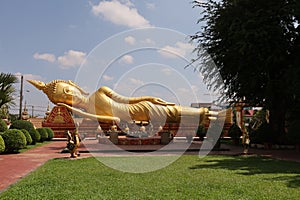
(105, 102)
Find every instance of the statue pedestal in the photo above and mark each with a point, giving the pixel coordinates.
(60, 121)
(88, 128)
(113, 137)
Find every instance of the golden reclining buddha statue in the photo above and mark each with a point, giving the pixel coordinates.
(105, 105)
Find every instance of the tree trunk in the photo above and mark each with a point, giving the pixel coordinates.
(277, 121)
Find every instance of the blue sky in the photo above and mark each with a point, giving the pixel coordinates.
(136, 47)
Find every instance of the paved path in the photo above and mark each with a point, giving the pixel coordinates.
(15, 166)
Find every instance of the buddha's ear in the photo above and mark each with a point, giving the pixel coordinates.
(68, 91)
(79, 88)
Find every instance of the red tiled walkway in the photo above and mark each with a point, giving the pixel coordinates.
(15, 166)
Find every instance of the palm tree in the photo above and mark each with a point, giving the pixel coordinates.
(7, 89)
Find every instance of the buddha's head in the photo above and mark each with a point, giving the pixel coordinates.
(61, 91)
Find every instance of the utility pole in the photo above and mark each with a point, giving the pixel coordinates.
(21, 98)
(32, 111)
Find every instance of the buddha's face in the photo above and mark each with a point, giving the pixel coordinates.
(67, 94)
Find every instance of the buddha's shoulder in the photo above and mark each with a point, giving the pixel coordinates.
(104, 89)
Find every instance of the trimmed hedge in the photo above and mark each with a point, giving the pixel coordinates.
(35, 135)
(3, 125)
(27, 135)
(43, 133)
(50, 133)
(14, 140)
(2, 144)
(21, 124)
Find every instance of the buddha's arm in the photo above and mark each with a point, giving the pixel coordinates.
(101, 118)
(131, 100)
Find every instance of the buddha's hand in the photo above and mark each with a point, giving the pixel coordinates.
(100, 118)
(207, 114)
(63, 104)
(161, 102)
(212, 115)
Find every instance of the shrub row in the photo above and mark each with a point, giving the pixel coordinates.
(2, 144)
(20, 134)
(14, 140)
(3, 126)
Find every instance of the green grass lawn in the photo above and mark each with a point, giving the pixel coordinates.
(212, 177)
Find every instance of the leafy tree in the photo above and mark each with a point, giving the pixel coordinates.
(6, 88)
(255, 46)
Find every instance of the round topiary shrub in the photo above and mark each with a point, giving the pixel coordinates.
(35, 135)
(50, 133)
(2, 145)
(3, 125)
(43, 133)
(27, 135)
(14, 140)
(21, 124)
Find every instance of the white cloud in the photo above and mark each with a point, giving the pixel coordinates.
(148, 41)
(166, 71)
(45, 56)
(107, 78)
(195, 88)
(150, 6)
(127, 59)
(71, 59)
(72, 26)
(28, 76)
(120, 13)
(136, 81)
(130, 40)
(180, 49)
(33, 77)
(183, 90)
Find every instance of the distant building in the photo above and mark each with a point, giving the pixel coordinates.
(201, 105)
(37, 122)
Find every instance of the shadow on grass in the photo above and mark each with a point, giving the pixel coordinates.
(252, 165)
(292, 181)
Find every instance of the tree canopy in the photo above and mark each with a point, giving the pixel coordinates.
(255, 45)
(6, 88)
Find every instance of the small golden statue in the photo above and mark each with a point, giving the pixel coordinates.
(105, 105)
(73, 143)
